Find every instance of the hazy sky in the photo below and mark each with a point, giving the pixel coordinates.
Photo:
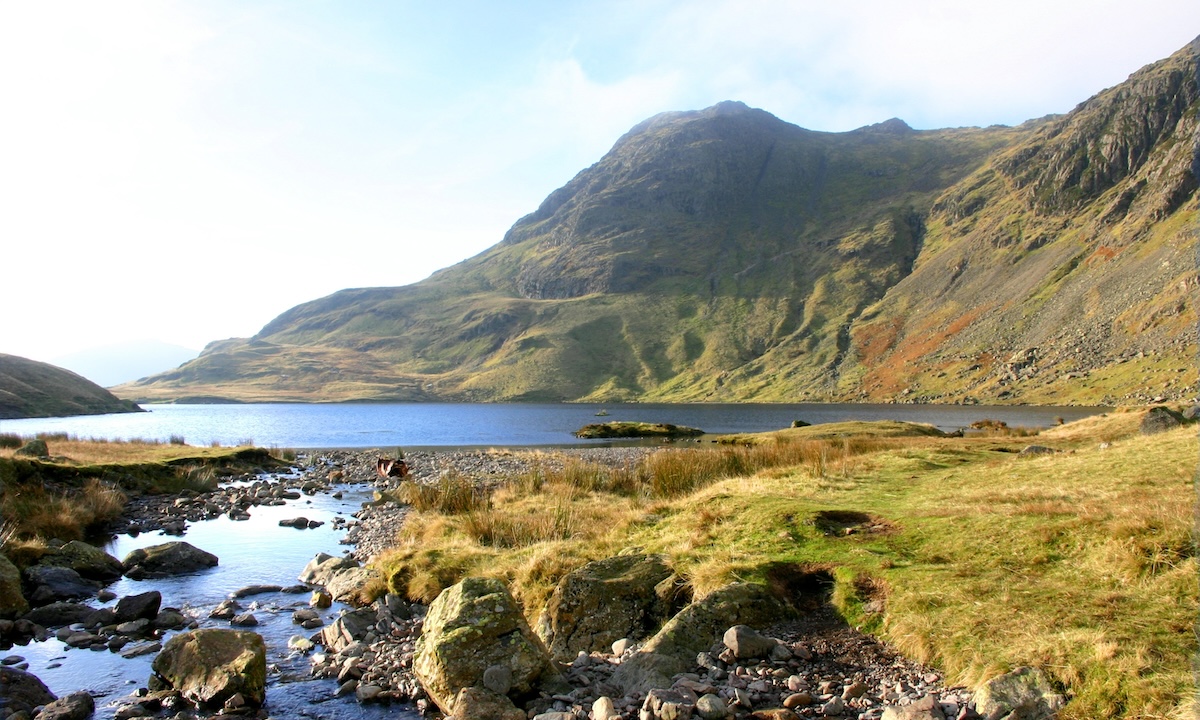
(186, 171)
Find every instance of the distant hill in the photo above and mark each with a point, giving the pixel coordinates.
(726, 255)
(29, 388)
(115, 364)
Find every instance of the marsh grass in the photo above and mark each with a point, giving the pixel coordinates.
(451, 494)
(33, 511)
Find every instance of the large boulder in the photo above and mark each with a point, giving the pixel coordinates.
(60, 614)
(349, 628)
(33, 448)
(210, 666)
(173, 558)
(88, 560)
(476, 703)
(1160, 419)
(693, 630)
(76, 706)
(1024, 694)
(469, 628)
(343, 577)
(50, 583)
(628, 596)
(142, 606)
(21, 691)
(12, 601)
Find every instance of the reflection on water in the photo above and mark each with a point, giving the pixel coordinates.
(251, 552)
(414, 425)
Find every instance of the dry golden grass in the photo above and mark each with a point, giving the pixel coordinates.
(79, 451)
(1081, 561)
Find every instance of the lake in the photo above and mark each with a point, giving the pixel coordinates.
(430, 425)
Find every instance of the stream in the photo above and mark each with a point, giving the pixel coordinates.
(251, 552)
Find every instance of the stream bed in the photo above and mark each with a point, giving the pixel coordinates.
(257, 551)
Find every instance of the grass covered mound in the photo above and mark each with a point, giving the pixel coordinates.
(960, 552)
(83, 484)
(621, 429)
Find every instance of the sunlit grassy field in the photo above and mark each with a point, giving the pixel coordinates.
(959, 551)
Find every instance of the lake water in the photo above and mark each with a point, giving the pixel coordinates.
(415, 425)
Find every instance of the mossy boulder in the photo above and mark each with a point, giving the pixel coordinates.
(22, 691)
(12, 601)
(470, 627)
(1024, 693)
(628, 596)
(88, 560)
(673, 649)
(210, 666)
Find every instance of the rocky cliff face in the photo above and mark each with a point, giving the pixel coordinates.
(724, 254)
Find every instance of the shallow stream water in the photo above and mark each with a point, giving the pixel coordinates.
(250, 552)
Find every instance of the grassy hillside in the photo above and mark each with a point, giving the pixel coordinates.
(725, 255)
(35, 389)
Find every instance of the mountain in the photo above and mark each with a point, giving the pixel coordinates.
(29, 388)
(726, 255)
(115, 364)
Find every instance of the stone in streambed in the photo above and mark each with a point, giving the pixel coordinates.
(76, 706)
(210, 666)
(142, 605)
(173, 558)
(12, 602)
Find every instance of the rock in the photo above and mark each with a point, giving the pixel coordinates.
(349, 628)
(12, 602)
(925, 708)
(498, 679)
(854, 690)
(300, 644)
(256, 590)
(246, 619)
(139, 649)
(620, 646)
(476, 703)
(1036, 450)
(300, 523)
(1025, 691)
(798, 699)
(667, 705)
(674, 648)
(33, 448)
(1160, 419)
(1192, 413)
(745, 642)
(59, 614)
(320, 599)
(76, 706)
(345, 585)
(173, 558)
(604, 601)
(604, 709)
(89, 561)
(227, 610)
(367, 693)
(470, 627)
(134, 627)
(209, 666)
(134, 607)
(52, 583)
(711, 707)
(22, 691)
(774, 714)
(833, 707)
(321, 568)
(171, 619)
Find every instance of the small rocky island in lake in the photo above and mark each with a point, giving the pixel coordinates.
(635, 430)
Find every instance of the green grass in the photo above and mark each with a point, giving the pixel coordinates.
(1080, 562)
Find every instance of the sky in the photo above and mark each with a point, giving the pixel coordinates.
(184, 172)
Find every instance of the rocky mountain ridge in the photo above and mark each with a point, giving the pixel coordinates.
(726, 255)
